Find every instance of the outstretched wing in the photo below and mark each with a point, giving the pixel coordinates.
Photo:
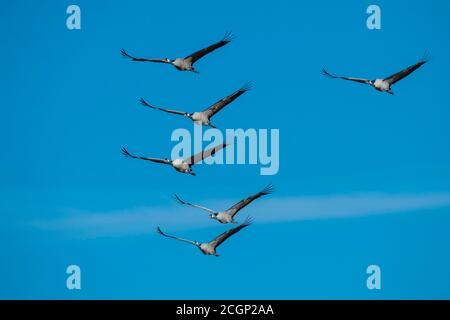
(360, 80)
(127, 154)
(158, 229)
(216, 107)
(125, 54)
(145, 104)
(193, 205)
(406, 72)
(224, 236)
(204, 154)
(199, 54)
(241, 204)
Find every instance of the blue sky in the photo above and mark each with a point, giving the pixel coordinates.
(364, 176)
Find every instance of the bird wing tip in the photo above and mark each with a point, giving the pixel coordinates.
(177, 198)
(143, 102)
(248, 221)
(126, 153)
(228, 36)
(124, 53)
(268, 189)
(425, 57)
(326, 73)
(247, 86)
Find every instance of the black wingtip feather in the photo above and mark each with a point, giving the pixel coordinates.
(144, 103)
(248, 221)
(247, 86)
(177, 198)
(125, 54)
(228, 37)
(425, 58)
(268, 189)
(327, 74)
(126, 153)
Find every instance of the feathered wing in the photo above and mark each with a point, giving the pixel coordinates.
(360, 80)
(221, 238)
(241, 204)
(126, 55)
(204, 154)
(406, 72)
(158, 229)
(145, 104)
(199, 54)
(127, 154)
(216, 107)
(193, 205)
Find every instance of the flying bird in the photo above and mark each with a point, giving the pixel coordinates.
(187, 63)
(181, 165)
(204, 117)
(209, 248)
(227, 216)
(383, 85)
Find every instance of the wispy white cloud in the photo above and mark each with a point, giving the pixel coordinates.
(269, 209)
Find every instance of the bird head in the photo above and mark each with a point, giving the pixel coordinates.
(167, 60)
(212, 216)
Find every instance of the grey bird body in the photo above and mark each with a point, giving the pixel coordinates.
(228, 215)
(385, 84)
(180, 165)
(183, 64)
(209, 248)
(186, 63)
(204, 117)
